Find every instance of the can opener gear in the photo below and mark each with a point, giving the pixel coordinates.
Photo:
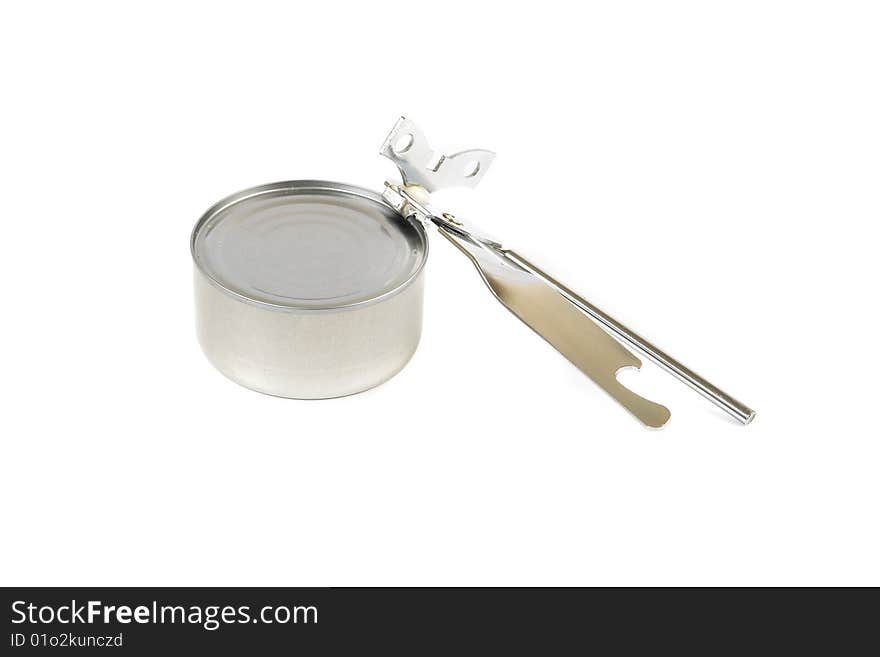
(588, 337)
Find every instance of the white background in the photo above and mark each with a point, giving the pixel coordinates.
(706, 172)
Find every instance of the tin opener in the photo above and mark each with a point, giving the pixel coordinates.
(591, 339)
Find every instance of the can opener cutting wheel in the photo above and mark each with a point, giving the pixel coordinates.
(576, 328)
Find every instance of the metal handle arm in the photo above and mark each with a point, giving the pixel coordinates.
(714, 394)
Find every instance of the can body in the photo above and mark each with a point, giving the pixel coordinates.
(302, 348)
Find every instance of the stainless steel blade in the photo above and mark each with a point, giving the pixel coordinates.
(560, 323)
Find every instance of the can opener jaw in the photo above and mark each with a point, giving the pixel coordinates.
(576, 328)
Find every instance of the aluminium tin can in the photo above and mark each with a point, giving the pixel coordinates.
(308, 289)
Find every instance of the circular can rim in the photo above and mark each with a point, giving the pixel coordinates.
(303, 187)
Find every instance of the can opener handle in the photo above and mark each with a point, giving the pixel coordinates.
(587, 336)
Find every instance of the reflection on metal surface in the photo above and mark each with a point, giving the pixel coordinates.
(735, 408)
(572, 333)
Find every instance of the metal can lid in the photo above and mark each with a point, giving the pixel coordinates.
(308, 245)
